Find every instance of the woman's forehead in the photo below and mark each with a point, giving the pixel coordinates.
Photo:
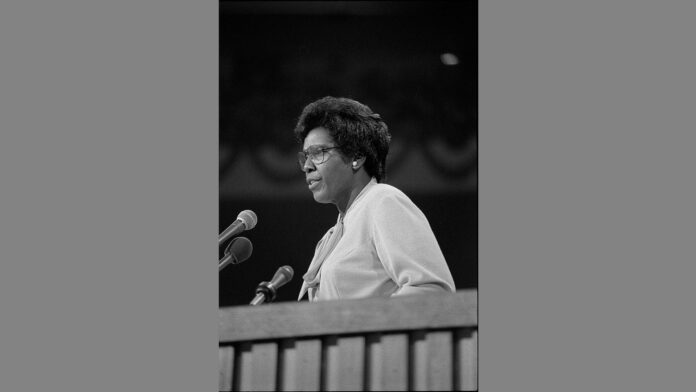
(318, 137)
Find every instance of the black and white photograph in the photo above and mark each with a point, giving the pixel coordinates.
(407, 196)
(348, 195)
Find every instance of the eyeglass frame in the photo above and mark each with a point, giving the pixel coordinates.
(303, 156)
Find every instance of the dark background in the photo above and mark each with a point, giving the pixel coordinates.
(275, 57)
(109, 190)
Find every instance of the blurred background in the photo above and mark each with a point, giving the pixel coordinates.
(414, 63)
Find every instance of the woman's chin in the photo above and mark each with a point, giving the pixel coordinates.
(319, 198)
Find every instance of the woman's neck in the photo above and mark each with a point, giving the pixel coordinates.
(360, 183)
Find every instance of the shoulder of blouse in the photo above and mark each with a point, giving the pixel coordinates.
(383, 192)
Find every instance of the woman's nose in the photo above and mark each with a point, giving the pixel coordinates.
(308, 166)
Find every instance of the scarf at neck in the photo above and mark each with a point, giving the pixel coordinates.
(313, 274)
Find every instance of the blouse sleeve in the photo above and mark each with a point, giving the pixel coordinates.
(407, 248)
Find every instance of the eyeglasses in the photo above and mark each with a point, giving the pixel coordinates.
(315, 154)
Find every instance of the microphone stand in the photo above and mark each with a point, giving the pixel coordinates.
(265, 292)
(226, 258)
(224, 262)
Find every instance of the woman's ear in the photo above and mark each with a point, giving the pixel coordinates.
(358, 162)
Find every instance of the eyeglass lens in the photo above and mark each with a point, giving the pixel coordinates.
(315, 154)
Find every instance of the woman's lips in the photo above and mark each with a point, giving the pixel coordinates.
(312, 184)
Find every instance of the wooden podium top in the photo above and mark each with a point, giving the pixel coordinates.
(304, 319)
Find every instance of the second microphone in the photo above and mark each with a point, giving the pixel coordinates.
(246, 220)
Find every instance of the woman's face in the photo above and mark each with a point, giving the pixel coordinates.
(329, 181)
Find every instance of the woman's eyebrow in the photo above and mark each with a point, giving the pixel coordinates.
(316, 146)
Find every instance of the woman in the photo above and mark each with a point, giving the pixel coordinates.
(382, 244)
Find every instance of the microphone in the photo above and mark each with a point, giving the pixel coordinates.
(266, 291)
(238, 250)
(246, 220)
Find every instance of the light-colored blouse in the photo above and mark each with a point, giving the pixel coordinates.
(386, 248)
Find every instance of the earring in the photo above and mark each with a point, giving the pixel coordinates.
(355, 164)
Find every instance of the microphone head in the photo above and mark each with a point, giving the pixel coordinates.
(240, 249)
(282, 276)
(248, 217)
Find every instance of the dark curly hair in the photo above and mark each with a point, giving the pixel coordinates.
(358, 131)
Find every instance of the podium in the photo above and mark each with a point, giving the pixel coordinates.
(417, 342)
